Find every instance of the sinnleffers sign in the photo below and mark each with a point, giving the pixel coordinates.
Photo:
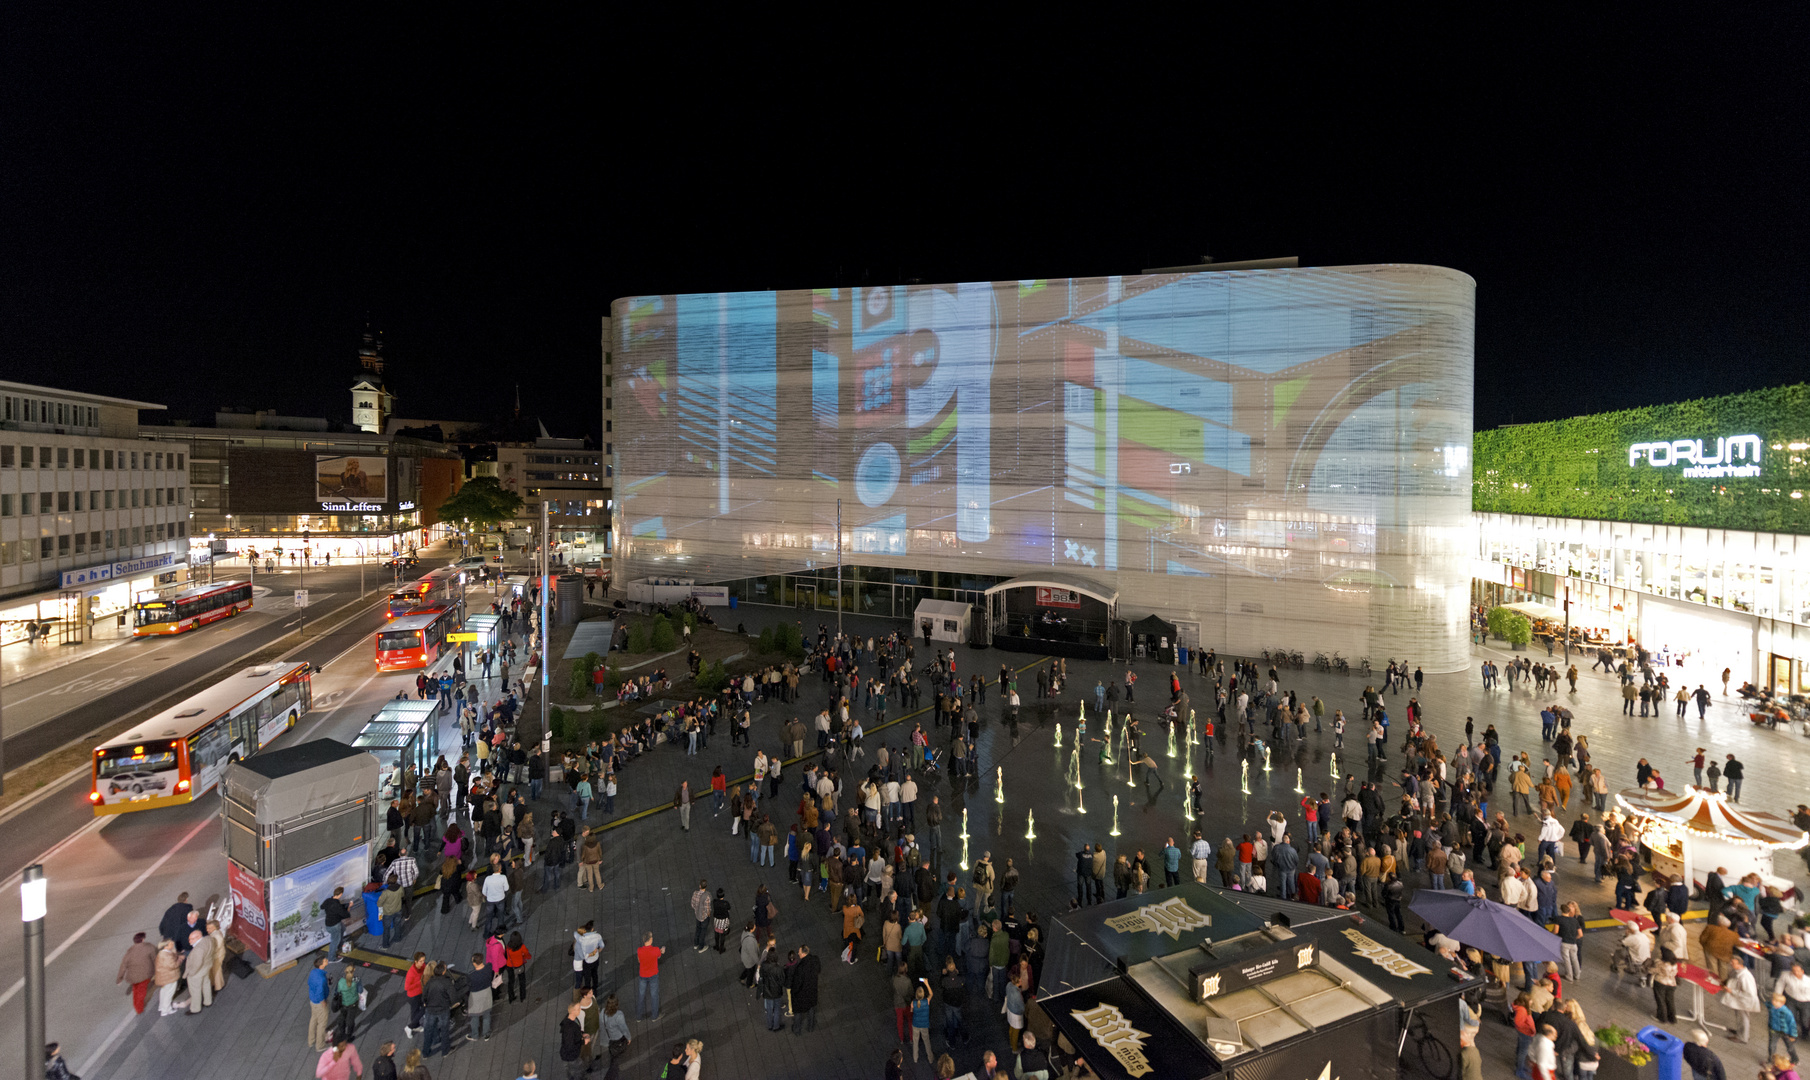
(1698, 462)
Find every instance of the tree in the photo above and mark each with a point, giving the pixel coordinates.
(482, 501)
(663, 636)
(1510, 625)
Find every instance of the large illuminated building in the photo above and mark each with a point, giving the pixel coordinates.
(1684, 527)
(1270, 457)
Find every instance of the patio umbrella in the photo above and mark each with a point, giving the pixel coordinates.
(1495, 928)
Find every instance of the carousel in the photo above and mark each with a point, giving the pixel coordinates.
(1693, 831)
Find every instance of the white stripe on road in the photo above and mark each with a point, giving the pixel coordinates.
(100, 1052)
(13, 991)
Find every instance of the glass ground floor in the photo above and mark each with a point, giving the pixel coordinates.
(864, 590)
(1703, 598)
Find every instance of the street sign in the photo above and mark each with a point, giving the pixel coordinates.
(301, 598)
(463, 637)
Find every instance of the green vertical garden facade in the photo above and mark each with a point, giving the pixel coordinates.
(1741, 461)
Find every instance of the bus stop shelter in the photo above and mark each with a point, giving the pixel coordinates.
(405, 737)
(489, 629)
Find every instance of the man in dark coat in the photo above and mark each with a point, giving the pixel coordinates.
(803, 984)
(174, 924)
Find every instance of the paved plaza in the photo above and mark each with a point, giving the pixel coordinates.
(257, 1026)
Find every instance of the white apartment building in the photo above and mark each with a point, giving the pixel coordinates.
(91, 517)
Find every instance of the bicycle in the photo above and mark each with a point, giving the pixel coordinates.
(1295, 658)
(1364, 667)
(1343, 665)
(1435, 1056)
(1321, 662)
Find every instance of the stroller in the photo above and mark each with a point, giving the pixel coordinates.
(932, 764)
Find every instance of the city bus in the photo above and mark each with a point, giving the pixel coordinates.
(434, 590)
(179, 753)
(414, 641)
(190, 608)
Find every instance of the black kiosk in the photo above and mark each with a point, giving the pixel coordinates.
(1191, 982)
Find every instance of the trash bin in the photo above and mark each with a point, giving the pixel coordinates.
(731, 601)
(373, 915)
(1181, 655)
(1668, 1051)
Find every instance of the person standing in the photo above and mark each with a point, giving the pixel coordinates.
(348, 990)
(700, 910)
(481, 997)
(772, 986)
(335, 914)
(319, 986)
(437, 1003)
(804, 976)
(198, 970)
(682, 800)
(587, 953)
(1734, 772)
(137, 968)
(614, 1026)
(1741, 994)
(647, 990)
(572, 1041)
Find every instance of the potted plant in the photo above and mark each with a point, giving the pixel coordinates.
(1624, 1057)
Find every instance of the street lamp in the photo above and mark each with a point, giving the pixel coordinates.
(33, 897)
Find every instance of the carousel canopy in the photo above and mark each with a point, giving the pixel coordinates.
(1709, 813)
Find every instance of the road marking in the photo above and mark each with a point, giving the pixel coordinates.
(13, 991)
(100, 1052)
(60, 687)
(312, 728)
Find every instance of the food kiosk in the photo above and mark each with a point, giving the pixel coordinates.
(1692, 831)
(1190, 982)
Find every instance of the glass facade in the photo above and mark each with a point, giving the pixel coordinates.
(1274, 455)
(1723, 597)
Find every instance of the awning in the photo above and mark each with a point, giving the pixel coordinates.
(1709, 814)
(1537, 610)
(1102, 593)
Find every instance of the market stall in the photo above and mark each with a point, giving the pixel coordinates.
(1192, 981)
(1692, 831)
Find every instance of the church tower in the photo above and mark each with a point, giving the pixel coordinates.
(372, 402)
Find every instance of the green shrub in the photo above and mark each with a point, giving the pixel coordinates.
(664, 640)
(711, 678)
(600, 728)
(637, 636)
(764, 643)
(785, 636)
(691, 619)
(582, 670)
(1511, 626)
(556, 722)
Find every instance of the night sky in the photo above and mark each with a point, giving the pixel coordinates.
(202, 211)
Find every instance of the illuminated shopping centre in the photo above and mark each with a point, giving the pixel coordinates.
(1684, 527)
(1260, 457)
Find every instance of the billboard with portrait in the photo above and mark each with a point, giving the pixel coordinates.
(1280, 455)
(361, 478)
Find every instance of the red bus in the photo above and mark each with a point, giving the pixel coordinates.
(176, 755)
(414, 641)
(434, 590)
(187, 610)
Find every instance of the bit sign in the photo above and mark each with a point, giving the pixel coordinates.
(301, 598)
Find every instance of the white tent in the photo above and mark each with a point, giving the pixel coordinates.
(948, 620)
(1693, 831)
(1535, 609)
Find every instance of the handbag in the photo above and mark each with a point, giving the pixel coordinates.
(363, 997)
(772, 911)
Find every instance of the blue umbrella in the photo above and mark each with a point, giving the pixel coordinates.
(1484, 924)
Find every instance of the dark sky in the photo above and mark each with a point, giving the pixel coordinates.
(201, 210)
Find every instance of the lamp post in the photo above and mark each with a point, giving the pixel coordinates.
(33, 893)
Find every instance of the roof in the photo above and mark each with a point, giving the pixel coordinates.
(1052, 580)
(950, 608)
(282, 785)
(98, 399)
(193, 713)
(1708, 813)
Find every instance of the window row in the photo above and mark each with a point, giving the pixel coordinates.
(20, 552)
(38, 411)
(79, 457)
(66, 502)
